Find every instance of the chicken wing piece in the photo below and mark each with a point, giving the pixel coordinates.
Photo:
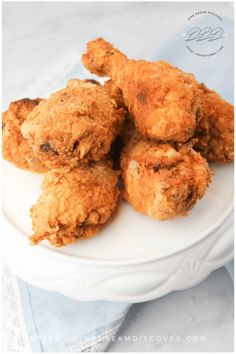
(15, 148)
(215, 130)
(74, 204)
(164, 101)
(76, 123)
(162, 180)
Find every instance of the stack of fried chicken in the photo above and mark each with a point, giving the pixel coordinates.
(151, 124)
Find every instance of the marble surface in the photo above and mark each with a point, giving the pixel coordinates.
(199, 319)
(42, 42)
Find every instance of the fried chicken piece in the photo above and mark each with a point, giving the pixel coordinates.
(116, 94)
(76, 123)
(74, 204)
(15, 148)
(162, 180)
(215, 131)
(164, 101)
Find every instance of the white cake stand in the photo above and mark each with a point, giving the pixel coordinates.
(134, 258)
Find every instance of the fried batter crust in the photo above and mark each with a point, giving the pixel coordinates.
(111, 89)
(114, 92)
(164, 101)
(76, 123)
(15, 148)
(74, 204)
(215, 131)
(162, 180)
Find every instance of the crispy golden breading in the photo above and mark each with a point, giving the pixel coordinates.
(74, 204)
(162, 180)
(76, 123)
(111, 89)
(15, 148)
(215, 131)
(114, 92)
(164, 101)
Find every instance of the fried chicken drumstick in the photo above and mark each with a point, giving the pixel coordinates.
(164, 101)
(162, 180)
(74, 204)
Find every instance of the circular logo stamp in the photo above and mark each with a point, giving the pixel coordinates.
(205, 34)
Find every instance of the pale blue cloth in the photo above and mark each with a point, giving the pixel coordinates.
(56, 323)
(230, 269)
